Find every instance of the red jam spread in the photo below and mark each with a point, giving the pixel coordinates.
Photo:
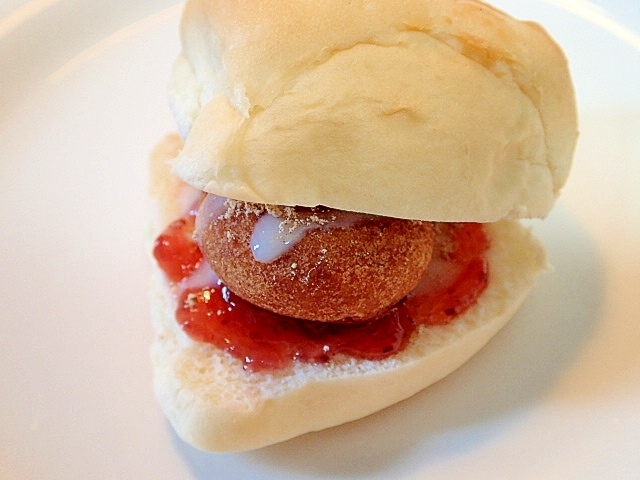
(263, 340)
(175, 251)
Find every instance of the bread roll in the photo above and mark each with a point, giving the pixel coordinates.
(215, 405)
(442, 110)
(435, 110)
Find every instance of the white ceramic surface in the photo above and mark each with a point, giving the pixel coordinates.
(82, 101)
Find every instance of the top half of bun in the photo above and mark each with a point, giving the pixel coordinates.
(444, 110)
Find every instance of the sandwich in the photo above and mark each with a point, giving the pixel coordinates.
(337, 224)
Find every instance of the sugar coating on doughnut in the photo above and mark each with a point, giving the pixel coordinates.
(331, 274)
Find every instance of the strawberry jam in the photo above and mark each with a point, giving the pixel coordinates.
(175, 251)
(263, 340)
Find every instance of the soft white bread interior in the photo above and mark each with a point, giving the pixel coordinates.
(444, 110)
(215, 405)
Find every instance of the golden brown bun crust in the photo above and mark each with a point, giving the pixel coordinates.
(439, 110)
(331, 275)
(215, 405)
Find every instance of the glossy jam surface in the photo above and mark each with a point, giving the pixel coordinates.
(264, 340)
(175, 251)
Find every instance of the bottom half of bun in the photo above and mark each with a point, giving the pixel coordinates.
(214, 404)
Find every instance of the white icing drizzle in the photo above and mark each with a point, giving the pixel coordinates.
(268, 242)
(273, 237)
(202, 277)
(188, 198)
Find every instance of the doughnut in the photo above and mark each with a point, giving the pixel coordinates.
(344, 268)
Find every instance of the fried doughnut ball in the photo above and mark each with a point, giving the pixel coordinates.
(333, 274)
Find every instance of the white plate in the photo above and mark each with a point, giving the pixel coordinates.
(82, 101)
